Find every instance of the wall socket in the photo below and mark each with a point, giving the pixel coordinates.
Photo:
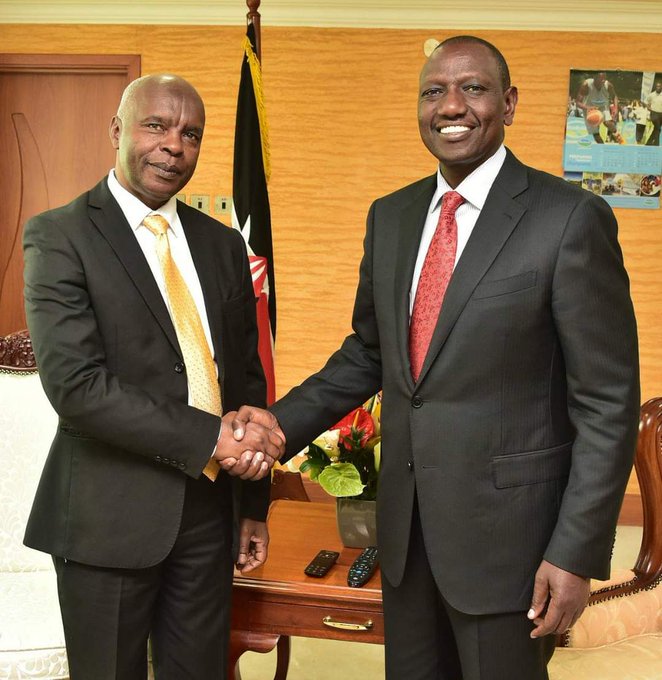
(200, 202)
(222, 205)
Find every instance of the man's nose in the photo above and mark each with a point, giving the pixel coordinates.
(172, 142)
(453, 103)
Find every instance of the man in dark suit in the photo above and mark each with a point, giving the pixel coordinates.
(125, 336)
(508, 434)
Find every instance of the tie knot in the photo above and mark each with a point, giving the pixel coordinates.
(451, 202)
(157, 224)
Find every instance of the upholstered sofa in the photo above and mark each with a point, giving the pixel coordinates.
(31, 637)
(619, 635)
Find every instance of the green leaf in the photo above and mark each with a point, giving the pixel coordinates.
(317, 454)
(341, 479)
(313, 467)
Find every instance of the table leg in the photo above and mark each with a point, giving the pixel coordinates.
(282, 657)
(244, 641)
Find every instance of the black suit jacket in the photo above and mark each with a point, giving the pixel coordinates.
(519, 436)
(112, 490)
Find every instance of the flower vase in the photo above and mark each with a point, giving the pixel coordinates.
(357, 522)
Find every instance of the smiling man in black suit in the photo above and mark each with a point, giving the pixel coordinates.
(493, 310)
(142, 317)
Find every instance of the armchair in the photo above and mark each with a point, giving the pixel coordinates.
(619, 635)
(31, 635)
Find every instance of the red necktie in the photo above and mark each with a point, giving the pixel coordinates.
(435, 275)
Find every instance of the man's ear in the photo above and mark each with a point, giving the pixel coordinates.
(115, 130)
(510, 97)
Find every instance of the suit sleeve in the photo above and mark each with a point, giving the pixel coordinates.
(72, 363)
(350, 376)
(596, 327)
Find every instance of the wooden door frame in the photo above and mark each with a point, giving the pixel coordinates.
(71, 63)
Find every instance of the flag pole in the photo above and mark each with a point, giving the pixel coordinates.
(253, 17)
(250, 196)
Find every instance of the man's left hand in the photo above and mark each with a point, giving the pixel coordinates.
(253, 545)
(559, 598)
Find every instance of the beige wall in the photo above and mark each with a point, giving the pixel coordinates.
(342, 112)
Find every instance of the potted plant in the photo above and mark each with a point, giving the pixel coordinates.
(345, 462)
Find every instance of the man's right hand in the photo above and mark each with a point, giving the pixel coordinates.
(253, 456)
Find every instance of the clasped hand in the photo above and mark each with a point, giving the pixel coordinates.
(250, 443)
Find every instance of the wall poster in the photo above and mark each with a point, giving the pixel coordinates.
(612, 135)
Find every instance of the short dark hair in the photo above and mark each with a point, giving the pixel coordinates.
(499, 58)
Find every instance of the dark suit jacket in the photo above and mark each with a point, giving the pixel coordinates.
(112, 490)
(518, 437)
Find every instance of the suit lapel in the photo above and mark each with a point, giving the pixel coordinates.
(411, 221)
(499, 216)
(109, 219)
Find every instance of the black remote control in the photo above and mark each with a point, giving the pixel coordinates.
(362, 568)
(321, 563)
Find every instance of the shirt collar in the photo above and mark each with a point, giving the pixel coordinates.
(475, 187)
(135, 210)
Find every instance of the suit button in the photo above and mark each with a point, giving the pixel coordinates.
(410, 465)
(165, 460)
(174, 463)
(417, 402)
(179, 367)
(157, 459)
(182, 466)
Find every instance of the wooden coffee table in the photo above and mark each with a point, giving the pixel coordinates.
(279, 600)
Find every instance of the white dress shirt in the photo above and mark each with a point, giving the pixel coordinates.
(135, 212)
(654, 100)
(474, 189)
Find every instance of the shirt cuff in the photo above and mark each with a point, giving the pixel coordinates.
(220, 429)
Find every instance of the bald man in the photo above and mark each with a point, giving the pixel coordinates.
(141, 539)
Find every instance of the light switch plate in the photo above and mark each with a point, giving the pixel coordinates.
(222, 205)
(200, 202)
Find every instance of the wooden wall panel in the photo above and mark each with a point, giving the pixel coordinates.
(342, 111)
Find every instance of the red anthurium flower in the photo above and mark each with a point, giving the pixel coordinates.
(358, 420)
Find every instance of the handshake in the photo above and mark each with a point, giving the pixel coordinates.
(250, 442)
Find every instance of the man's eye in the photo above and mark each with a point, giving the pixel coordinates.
(431, 92)
(474, 88)
(192, 136)
(154, 126)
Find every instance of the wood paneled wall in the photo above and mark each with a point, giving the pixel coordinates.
(342, 113)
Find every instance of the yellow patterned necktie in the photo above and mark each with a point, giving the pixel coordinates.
(200, 370)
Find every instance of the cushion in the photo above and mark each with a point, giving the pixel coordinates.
(618, 619)
(637, 658)
(31, 636)
(27, 426)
